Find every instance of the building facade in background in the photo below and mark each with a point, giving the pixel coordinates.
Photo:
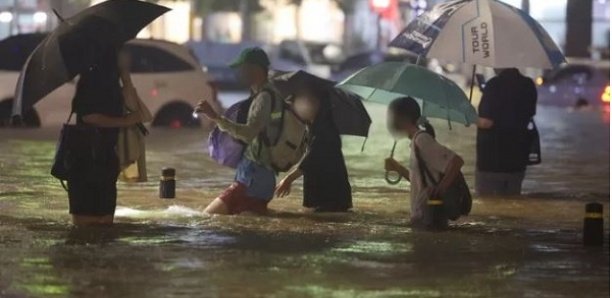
(358, 25)
(23, 16)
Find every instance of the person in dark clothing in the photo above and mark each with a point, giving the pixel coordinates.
(326, 185)
(98, 103)
(507, 106)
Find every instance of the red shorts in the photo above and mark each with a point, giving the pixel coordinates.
(237, 201)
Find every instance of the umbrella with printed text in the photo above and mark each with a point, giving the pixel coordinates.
(480, 32)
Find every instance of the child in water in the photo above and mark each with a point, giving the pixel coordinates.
(444, 164)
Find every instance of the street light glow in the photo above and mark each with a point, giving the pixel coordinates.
(40, 17)
(6, 17)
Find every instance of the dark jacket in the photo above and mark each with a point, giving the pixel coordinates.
(509, 99)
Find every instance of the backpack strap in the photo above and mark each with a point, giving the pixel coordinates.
(424, 171)
(277, 115)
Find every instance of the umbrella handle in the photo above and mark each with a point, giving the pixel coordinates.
(393, 177)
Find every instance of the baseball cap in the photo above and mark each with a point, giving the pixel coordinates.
(253, 55)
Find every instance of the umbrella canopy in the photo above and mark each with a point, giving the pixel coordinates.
(17, 48)
(71, 47)
(439, 97)
(348, 112)
(480, 32)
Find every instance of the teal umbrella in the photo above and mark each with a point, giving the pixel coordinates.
(439, 97)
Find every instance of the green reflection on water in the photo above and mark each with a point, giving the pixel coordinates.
(144, 240)
(42, 263)
(373, 247)
(41, 289)
(44, 281)
(318, 291)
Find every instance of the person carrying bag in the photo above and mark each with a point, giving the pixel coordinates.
(434, 172)
(76, 143)
(450, 205)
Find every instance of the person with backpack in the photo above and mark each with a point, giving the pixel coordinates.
(427, 158)
(255, 178)
(326, 183)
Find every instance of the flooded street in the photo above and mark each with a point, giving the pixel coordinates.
(508, 247)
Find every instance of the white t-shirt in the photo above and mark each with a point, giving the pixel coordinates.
(436, 158)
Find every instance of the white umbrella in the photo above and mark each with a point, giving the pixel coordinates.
(480, 32)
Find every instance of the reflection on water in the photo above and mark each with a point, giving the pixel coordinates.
(509, 247)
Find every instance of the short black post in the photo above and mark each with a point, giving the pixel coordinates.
(167, 184)
(436, 214)
(593, 230)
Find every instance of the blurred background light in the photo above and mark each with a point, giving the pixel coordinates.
(6, 17)
(40, 17)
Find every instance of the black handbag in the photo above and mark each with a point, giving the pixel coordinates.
(457, 200)
(534, 156)
(77, 143)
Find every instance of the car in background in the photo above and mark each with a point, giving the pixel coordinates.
(215, 58)
(579, 83)
(354, 63)
(314, 57)
(168, 78)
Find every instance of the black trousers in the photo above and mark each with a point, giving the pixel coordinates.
(92, 187)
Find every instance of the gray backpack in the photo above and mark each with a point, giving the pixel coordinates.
(286, 136)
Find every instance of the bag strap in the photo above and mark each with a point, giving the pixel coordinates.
(425, 173)
(70, 116)
(264, 137)
(63, 182)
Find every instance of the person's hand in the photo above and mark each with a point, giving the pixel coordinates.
(283, 188)
(133, 118)
(205, 108)
(392, 165)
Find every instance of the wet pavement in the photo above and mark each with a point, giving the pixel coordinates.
(509, 247)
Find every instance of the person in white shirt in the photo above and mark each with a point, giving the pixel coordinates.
(403, 120)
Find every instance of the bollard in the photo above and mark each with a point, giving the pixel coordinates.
(593, 230)
(436, 215)
(167, 184)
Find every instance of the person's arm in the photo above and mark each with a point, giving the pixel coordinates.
(257, 119)
(283, 188)
(450, 174)
(393, 165)
(101, 120)
(486, 108)
(126, 78)
(532, 95)
(439, 159)
(484, 123)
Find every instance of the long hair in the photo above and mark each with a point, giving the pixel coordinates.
(408, 109)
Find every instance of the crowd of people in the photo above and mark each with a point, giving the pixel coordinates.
(507, 106)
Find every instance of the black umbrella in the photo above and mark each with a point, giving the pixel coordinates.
(348, 112)
(71, 47)
(17, 48)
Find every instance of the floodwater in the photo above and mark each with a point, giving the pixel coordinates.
(509, 247)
